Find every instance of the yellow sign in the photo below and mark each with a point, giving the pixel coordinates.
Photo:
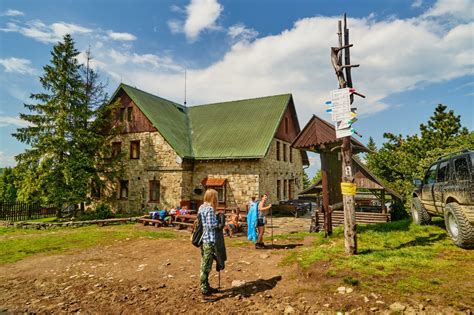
(348, 189)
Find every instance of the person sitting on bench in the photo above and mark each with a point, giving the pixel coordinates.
(234, 223)
(165, 217)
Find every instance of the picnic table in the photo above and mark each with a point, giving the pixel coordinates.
(185, 220)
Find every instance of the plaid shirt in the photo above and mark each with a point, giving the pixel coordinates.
(209, 223)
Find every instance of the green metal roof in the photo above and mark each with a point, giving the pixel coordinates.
(168, 117)
(229, 130)
(238, 129)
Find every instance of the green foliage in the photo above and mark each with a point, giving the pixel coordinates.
(69, 128)
(14, 246)
(8, 190)
(351, 281)
(306, 181)
(101, 212)
(403, 158)
(316, 177)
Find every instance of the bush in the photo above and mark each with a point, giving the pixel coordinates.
(102, 211)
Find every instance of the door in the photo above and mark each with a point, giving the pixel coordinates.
(442, 182)
(427, 190)
(462, 174)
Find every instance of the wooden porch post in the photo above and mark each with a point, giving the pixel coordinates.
(382, 200)
(325, 186)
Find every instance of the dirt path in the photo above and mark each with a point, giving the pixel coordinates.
(161, 276)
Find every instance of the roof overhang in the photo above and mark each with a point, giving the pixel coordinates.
(213, 182)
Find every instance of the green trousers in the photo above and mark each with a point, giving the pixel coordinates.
(207, 256)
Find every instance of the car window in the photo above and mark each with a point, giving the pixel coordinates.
(443, 171)
(461, 168)
(430, 177)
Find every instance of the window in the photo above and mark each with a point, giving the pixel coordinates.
(461, 168)
(154, 195)
(278, 189)
(285, 190)
(129, 113)
(443, 171)
(291, 155)
(123, 193)
(278, 150)
(135, 149)
(430, 177)
(284, 152)
(286, 125)
(290, 188)
(95, 190)
(122, 114)
(116, 148)
(220, 193)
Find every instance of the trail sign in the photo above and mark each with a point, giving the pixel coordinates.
(341, 104)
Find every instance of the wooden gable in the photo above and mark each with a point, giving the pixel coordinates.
(288, 128)
(132, 122)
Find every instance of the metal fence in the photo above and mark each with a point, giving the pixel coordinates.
(19, 211)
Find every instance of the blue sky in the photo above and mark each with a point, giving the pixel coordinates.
(413, 54)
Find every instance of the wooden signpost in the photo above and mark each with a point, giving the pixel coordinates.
(344, 116)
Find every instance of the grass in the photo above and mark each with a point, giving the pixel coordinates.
(298, 236)
(17, 244)
(417, 257)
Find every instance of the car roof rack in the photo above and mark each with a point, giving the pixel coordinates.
(453, 154)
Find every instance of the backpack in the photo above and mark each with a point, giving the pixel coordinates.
(196, 236)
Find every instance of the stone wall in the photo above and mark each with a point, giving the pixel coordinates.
(158, 161)
(251, 178)
(242, 179)
(272, 170)
(179, 179)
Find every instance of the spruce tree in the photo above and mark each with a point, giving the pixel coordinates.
(49, 167)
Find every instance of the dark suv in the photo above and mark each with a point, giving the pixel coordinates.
(447, 190)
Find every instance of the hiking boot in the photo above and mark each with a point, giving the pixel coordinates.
(213, 290)
(206, 293)
(259, 246)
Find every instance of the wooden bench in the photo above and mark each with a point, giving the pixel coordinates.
(153, 222)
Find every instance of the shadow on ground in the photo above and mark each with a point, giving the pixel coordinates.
(281, 246)
(249, 288)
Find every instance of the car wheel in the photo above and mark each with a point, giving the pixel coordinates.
(419, 213)
(458, 227)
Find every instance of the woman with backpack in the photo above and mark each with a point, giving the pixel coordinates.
(207, 213)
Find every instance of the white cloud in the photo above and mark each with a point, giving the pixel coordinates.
(240, 32)
(175, 26)
(11, 12)
(417, 3)
(121, 36)
(298, 61)
(17, 65)
(176, 8)
(200, 15)
(7, 160)
(13, 121)
(459, 9)
(45, 33)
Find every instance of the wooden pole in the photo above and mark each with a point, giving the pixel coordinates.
(350, 227)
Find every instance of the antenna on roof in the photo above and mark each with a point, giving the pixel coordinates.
(184, 87)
